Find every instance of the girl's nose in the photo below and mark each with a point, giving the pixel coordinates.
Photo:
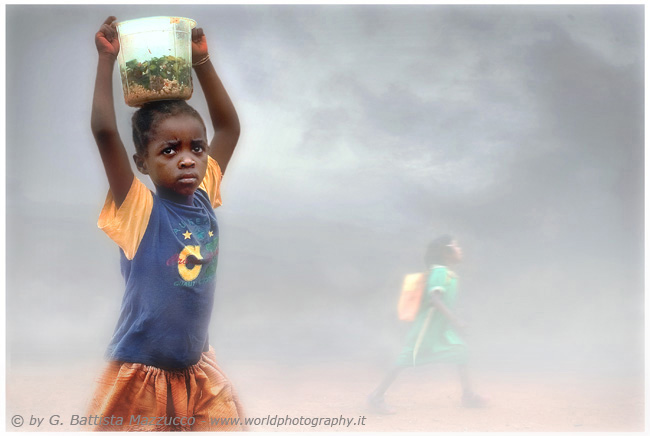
(186, 162)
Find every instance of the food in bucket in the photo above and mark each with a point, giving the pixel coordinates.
(164, 77)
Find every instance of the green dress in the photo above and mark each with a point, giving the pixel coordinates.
(431, 338)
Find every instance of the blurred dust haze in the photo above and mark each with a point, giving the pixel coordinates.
(366, 132)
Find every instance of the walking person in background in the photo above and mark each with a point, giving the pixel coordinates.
(436, 333)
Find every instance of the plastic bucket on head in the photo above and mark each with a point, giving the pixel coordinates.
(155, 59)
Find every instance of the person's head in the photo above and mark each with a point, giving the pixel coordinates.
(171, 145)
(443, 250)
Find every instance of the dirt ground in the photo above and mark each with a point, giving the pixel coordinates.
(425, 399)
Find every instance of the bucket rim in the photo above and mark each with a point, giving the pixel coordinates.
(192, 22)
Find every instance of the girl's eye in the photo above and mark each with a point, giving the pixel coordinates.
(198, 148)
(168, 150)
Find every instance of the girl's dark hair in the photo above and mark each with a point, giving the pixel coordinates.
(437, 250)
(145, 119)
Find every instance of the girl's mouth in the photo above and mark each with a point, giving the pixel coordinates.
(188, 178)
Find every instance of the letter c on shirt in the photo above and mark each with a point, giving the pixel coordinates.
(186, 273)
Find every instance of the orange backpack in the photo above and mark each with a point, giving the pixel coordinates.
(411, 296)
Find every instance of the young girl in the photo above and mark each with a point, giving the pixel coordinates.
(162, 373)
(435, 335)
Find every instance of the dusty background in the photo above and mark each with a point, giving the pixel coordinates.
(425, 399)
(367, 131)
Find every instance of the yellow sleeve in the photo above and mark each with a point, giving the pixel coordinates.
(126, 225)
(212, 182)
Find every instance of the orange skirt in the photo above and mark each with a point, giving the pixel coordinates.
(196, 398)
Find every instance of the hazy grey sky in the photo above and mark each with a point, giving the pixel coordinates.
(366, 131)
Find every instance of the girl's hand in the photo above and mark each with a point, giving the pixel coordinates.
(106, 38)
(199, 45)
(460, 326)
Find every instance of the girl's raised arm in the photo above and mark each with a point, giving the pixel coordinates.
(222, 112)
(102, 120)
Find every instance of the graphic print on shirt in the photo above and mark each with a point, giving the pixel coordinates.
(189, 274)
(196, 262)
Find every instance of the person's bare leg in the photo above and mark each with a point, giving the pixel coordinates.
(376, 398)
(470, 398)
(464, 379)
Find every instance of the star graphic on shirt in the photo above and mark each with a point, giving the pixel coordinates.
(210, 233)
(187, 234)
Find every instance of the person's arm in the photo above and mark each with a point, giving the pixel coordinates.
(102, 121)
(222, 112)
(436, 302)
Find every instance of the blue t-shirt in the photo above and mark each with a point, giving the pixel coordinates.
(168, 259)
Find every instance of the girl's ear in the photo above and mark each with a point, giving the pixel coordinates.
(140, 163)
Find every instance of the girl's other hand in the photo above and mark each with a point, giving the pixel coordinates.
(460, 326)
(106, 38)
(199, 45)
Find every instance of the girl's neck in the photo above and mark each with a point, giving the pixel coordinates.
(173, 196)
(446, 263)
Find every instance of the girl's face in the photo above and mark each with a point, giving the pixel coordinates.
(177, 156)
(455, 252)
